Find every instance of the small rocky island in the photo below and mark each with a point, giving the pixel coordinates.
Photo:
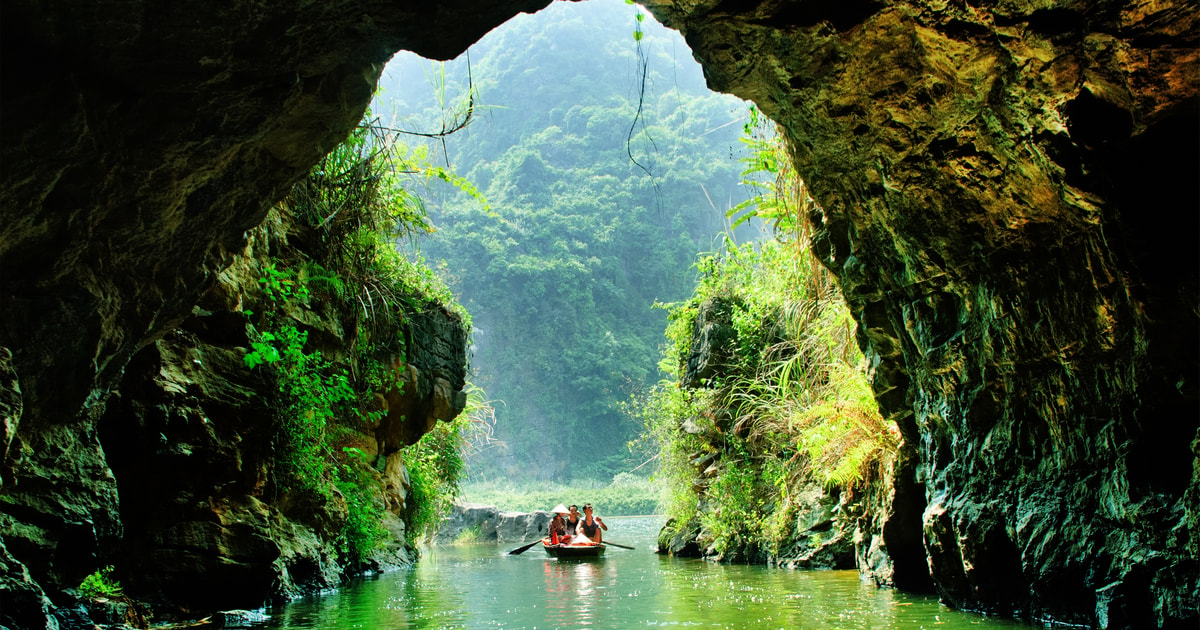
(488, 524)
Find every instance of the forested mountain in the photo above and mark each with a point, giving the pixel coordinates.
(588, 223)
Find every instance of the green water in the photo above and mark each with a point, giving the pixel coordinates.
(479, 586)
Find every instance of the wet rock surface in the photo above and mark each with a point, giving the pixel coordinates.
(141, 144)
(190, 438)
(178, 489)
(487, 523)
(993, 178)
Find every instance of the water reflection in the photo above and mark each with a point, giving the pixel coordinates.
(573, 590)
(481, 587)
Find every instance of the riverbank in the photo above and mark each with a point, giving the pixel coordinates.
(626, 495)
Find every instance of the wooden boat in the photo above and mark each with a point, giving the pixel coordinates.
(593, 550)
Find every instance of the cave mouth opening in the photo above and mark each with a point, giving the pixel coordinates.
(530, 169)
(597, 150)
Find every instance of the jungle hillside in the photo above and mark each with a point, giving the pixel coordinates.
(602, 169)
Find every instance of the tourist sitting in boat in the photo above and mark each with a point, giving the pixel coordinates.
(598, 519)
(558, 527)
(590, 526)
(572, 523)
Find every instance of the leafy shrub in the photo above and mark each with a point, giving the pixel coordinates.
(795, 399)
(355, 203)
(662, 410)
(101, 584)
(311, 394)
(435, 466)
(364, 531)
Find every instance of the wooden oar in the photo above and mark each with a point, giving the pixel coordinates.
(616, 545)
(520, 550)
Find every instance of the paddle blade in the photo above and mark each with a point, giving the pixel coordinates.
(520, 550)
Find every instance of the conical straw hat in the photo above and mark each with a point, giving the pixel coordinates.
(560, 509)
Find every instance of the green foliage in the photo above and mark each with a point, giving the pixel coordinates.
(311, 394)
(843, 436)
(468, 536)
(324, 282)
(354, 205)
(281, 285)
(737, 518)
(435, 466)
(781, 198)
(101, 584)
(794, 403)
(562, 270)
(364, 531)
(361, 200)
(626, 495)
(639, 17)
(264, 350)
(661, 409)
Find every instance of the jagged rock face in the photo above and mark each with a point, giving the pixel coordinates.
(141, 142)
(191, 440)
(712, 342)
(432, 382)
(996, 179)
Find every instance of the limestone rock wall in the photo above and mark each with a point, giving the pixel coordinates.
(996, 179)
(141, 142)
(190, 438)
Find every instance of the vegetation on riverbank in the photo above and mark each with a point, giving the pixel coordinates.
(346, 274)
(626, 495)
(788, 401)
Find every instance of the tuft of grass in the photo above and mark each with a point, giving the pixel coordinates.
(468, 536)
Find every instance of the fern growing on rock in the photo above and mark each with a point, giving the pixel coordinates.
(338, 304)
(770, 419)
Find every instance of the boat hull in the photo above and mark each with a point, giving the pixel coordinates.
(574, 551)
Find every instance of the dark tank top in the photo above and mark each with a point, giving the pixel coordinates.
(590, 532)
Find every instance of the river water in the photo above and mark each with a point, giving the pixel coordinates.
(480, 586)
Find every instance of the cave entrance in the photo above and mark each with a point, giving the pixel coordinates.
(608, 166)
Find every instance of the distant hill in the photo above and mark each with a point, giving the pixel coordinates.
(589, 224)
